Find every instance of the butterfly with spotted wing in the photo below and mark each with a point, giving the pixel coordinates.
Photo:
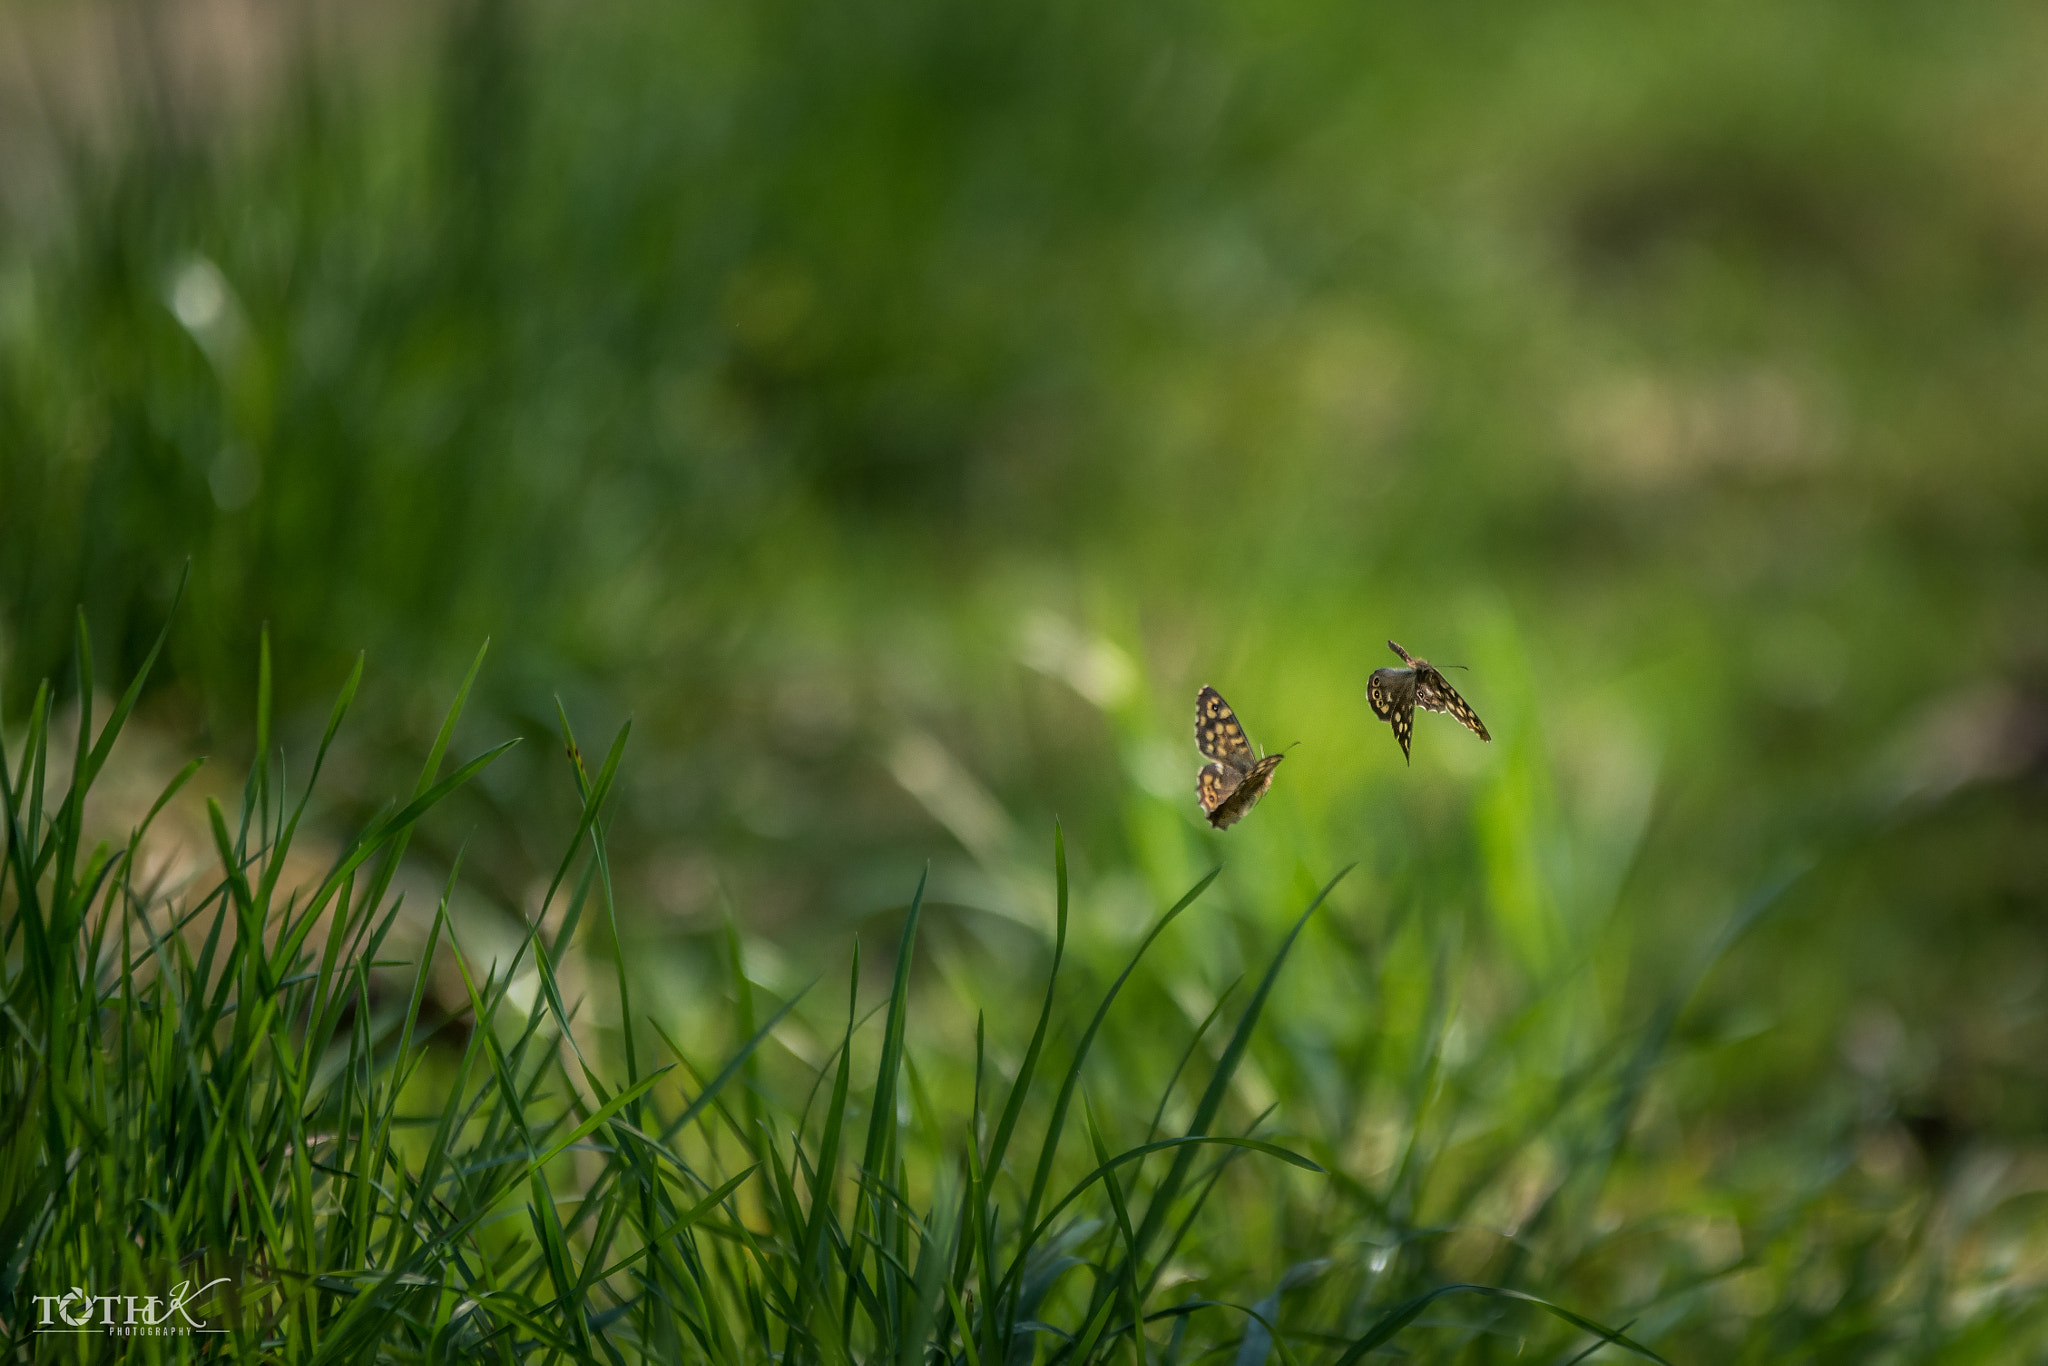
(1233, 783)
(1394, 694)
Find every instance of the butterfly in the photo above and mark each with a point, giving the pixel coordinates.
(1394, 694)
(1233, 784)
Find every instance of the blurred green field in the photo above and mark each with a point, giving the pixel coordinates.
(899, 410)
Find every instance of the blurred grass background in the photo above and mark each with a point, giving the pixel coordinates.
(899, 409)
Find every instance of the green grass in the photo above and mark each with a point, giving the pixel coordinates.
(231, 1085)
(222, 1086)
(898, 411)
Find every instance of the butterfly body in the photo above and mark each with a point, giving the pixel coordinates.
(1394, 694)
(1232, 783)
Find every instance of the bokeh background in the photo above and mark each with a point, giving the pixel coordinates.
(899, 408)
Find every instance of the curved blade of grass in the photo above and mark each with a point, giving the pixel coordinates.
(398, 826)
(1122, 1211)
(1050, 1147)
(1187, 1055)
(1014, 1107)
(1226, 1069)
(876, 1155)
(1406, 1313)
(1188, 1141)
(928, 1283)
(89, 760)
(342, 702)
(119, 716)
(882, 1114)
(726, 1073)
(593, 795)
(426, 793)
(826, 1174)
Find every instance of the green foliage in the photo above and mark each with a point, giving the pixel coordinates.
(238, 1116)
(898, 409)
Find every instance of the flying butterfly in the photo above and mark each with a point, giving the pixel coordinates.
(1394, 694)
(1238, 777)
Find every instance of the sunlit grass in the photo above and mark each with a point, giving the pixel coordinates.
(1365, 1148)
(898, 412)
(232, 1085)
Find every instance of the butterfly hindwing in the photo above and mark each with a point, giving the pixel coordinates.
(1244, 792)
(1403, 719)
(1218, 733)
(1214, 784)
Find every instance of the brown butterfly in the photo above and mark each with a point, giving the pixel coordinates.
(1233, 784)
(1394, 694)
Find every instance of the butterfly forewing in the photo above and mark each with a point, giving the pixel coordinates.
(1433, 692)
(1217, 731)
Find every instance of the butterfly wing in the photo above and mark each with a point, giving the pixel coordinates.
(1243, 794)
(1214, 784)
(1433, 692)
(1383, 690)
(1218, 734)
(1391, 695)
